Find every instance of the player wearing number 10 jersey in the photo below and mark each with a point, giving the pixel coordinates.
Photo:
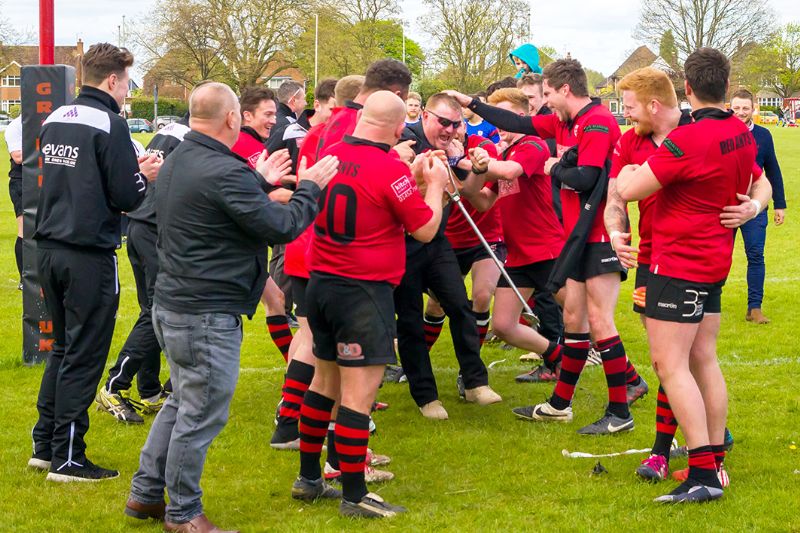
(356, 260)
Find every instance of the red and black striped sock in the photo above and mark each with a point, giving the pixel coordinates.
(352, 437)
(614, 359)
(315, 415)
(432, 326)
(702, 466)
(573, 359)
(295, 384)
(666, 425)
(719, 453)
(552, 355)
(631, 375)
(278, 328)
(482, 318)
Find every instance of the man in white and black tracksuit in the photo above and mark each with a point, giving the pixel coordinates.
(90, 174)
(140, 356)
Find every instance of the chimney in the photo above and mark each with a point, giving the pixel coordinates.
(79, 68)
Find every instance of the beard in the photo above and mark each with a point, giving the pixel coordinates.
(643, 128)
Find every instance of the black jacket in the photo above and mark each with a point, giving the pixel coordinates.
(214, 224)
(165, 141)
(90, 174)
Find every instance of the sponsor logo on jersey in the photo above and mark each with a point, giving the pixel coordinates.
(673, 148)
(667, 305)
(403, 188)
(350, 351)
(60, 154)
(595, 127)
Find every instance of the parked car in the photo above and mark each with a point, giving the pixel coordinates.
(139, 125)
(162, 121)
(767, 117)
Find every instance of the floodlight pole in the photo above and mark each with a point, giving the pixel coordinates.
(316, 48)
(46, 32)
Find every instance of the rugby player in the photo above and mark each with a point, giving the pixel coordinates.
(699, 170)
(355, 260)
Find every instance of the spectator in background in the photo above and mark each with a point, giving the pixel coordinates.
(413, 108)
(754, 232)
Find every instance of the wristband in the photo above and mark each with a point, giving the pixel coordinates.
(758, 207)
(613, 234)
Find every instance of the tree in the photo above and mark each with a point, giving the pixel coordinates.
(667, 49)
(594, 78)
(776, 64)
(474, 37)
(694, 24)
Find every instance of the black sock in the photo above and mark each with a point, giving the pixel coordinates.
(18, 255)
(352, 437)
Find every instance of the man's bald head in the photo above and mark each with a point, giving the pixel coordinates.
(211, 101)
(214, 111)
(382, 119)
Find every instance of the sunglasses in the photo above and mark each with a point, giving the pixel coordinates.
(446, 122)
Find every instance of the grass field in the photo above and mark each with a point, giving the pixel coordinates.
(480, 471)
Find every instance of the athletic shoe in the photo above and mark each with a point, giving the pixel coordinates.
(507, 347)
(309, 491)
(530, 357)
(434, 410)
(634, 392)
(151, 406)
(118, 405)
(278, 411)
(40, 461)
(691, 491)
(393, 374)
(370, 506)
(540, 374)
(285, 437)
(727, 444)
(654, 468)
(491, 338)
(460, 386)
(678, 451)
(371, 475)
(722, 475)
(376, 459)
(86, 472)
(482, 395)
(608, 424)
(19, 287)
(594, 357)
(544, 412)
(379, 406)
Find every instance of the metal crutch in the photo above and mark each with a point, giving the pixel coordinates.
(455, 196)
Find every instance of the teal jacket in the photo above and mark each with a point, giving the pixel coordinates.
(529, 54)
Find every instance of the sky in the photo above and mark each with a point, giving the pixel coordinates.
(600, 47)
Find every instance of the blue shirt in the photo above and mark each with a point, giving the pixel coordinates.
(767, 160)
(483, 129)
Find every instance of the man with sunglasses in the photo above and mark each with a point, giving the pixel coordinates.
(433, 267)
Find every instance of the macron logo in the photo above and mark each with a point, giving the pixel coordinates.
(72, 113)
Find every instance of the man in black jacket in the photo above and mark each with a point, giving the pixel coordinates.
(141, 353)
(215, 221)
(90, 174)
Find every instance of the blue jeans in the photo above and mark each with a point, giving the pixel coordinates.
(754, 233)
(203, 355)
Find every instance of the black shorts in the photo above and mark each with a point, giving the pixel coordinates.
(15, 191)
(467, 257)
(299, 287)
(640, 287)
(533, 276)
(598, 258)
(678, 300)
(352, 320)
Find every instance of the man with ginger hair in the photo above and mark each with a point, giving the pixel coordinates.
(215, 224)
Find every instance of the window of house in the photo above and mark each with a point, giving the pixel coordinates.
(5, 105)
(10, 81)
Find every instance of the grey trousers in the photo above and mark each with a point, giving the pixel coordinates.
(203, 355)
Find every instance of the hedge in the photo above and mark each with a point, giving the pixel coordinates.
(143, 107)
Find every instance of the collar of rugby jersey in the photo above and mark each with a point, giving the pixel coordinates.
(253, 133)
(87, 91)
(353, 105)
(594, 103)
(211, 143)
(358, 141)
(713, 113)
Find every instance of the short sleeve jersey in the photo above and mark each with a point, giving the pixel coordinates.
(340, 124)
(458, 231)
(595, 132)
(248, 147)
(530, 226)
(484, 129)
(701, 167)
(359, 232)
